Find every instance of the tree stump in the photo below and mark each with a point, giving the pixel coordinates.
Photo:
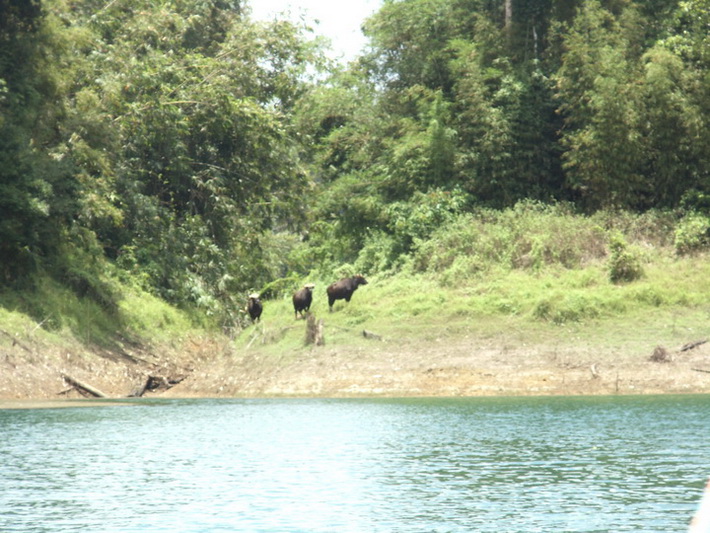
(314, 330)
(661, 355)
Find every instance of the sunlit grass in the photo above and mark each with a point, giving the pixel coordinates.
(150, 317)
(552, 285)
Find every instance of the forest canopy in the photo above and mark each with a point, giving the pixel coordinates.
(184, 147)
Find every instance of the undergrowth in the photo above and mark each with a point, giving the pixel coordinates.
(535, 265)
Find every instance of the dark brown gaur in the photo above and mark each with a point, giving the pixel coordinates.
(344, 289)
(302, 299)
(254, 307)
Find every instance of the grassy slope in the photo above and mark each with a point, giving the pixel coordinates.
(463, 290)
(669, 305)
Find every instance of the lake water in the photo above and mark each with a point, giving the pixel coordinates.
(438, 465)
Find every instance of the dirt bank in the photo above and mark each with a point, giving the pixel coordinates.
(468, 366)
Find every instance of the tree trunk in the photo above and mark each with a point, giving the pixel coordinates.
(508, 15)
(314, 330)
(84, 387)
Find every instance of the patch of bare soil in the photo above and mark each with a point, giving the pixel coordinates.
(208, 367)
(467, 367)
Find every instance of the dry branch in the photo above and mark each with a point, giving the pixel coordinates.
(140, 389)
(691, 345)
(153, 383)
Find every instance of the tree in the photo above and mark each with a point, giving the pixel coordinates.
(599, 103)
(38, 192)
(670, 129)
(161, 128)
(410, 41)
(689, 42)
(208, 161)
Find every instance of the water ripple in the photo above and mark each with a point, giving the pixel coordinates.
(485, 465)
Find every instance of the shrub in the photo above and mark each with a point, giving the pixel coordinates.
(420, 216)
(527, 237)
(653, 228)
(624, 264)
(692, 234)
(380, 254)
(562, 308)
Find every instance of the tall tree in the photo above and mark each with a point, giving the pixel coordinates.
(599, 102)
(38, 197)
(173, 132)
(689, 92)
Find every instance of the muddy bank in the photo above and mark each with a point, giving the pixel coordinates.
(211, 367)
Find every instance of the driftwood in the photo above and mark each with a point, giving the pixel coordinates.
(153, 383)
(140, 389)
(371, 335)
(662, 355)
(84, 388)
(691, 345)
(595, 371)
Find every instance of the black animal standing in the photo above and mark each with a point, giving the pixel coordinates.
(344, 289)
(254, 307)
(302, 299)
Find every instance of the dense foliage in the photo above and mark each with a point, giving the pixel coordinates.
(465, 104)
(180, 145)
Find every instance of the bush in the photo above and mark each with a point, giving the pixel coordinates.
(624, 264)
(692, 234)
(420, 216)
(529, 236)
(380, 254)
(562, 308)
(652, 228)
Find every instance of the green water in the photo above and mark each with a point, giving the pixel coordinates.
(494, 465)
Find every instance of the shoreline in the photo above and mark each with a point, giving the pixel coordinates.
(459, 368)
(30, 404)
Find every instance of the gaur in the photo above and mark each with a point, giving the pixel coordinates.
(254, 307)
(344, 289)
(302, 299)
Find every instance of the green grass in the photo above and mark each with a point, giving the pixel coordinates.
(58, 315)
(669, 304)
(531, 274)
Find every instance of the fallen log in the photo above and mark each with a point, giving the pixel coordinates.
(140, 389)
(691, 345)
(154, 383)
(84, 387)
